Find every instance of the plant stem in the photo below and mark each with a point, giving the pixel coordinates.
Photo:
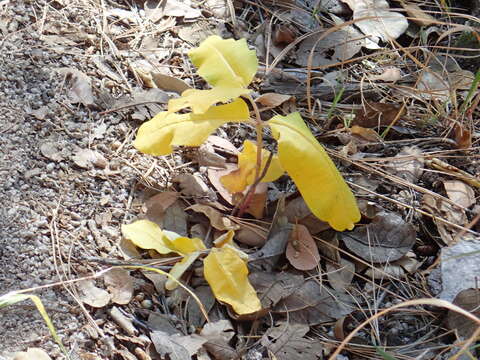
(258, 167)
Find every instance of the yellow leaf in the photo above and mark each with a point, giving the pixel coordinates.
(227, 275)
(179, 269)
(157, 136)
(147, 235)
(185, 245)
(318, 180)
(239, 179)
(225, 62)
(201, 100)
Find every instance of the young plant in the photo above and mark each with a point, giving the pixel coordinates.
(229, 67)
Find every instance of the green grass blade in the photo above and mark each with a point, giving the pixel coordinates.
(13, 298)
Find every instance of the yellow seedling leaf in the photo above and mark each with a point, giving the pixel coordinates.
(226, 238)
(318, 180)
(239, 179)
(201, 100)
(227, 275)
(147, 235)
(225, 62)
(179, 269)
(157, 136)
(184, 245)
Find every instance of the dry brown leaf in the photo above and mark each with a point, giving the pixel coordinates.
(169, 83)
(51, 151)
(340, 276)
(312, 303)
(250, 235)
(167, 347)
(120, 285)
(193, 185)
(302, 250)
(387, 238)
(365, 133)
(219, 334)
(419, 16)
(256, 206)
(376, 20)
(408, 164)
(216, 218)
(469, 300)
(462, 136)
(158, 204)
(460, 193)
(375, 114)
(297, 212)
(87, 158)
(80, 88)
(272, 100)
(92, 295)
(287, 341)
(336, 47)
(206, 156)
(175, 218)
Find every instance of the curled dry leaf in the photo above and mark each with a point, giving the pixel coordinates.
(216, 218)
(375, 114)
(408, 164)
(251, 235)
(469, 300)
(460, 193)
(387, 238)
(92, 295)
(120, 285)
(302, 250)
(87, 158)
(272, 100)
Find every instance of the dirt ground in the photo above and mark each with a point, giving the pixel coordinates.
(54, 211)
